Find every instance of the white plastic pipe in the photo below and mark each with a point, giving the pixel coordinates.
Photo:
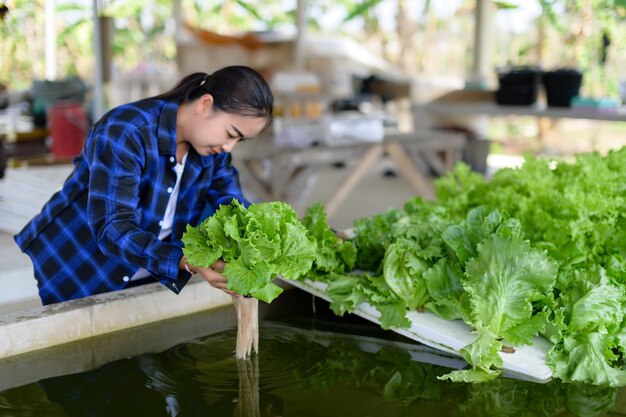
(98, 82)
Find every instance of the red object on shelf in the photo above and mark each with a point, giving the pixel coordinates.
(68, 126)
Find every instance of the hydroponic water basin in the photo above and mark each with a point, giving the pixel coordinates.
(310, 364)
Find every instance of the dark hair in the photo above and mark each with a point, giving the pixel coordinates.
(236, 89)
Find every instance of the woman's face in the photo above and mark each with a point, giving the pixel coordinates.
(211, 131)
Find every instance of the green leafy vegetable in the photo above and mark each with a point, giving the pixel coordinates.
(332, 253)
(256, 243)
(538, 250)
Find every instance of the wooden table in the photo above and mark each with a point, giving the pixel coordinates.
(21, 138)
(288, 173)
(28, 148)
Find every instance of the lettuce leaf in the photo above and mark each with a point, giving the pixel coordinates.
(373, 235)
(502, 281)
(332, 253)
(590, 316)
(448, 297)
(402, 270)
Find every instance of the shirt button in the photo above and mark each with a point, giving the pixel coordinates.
(160, 222)
(169, 190)
(126, 278)
(172, 159)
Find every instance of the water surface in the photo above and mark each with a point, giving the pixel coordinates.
(308, 366)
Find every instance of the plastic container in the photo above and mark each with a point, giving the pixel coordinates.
(68, 126)
(561, 86)
(602, 104)
(518, 86)
(348, 129)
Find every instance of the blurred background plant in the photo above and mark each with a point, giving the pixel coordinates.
(422, 37)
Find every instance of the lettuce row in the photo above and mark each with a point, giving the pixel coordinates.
(480, 270)
(536, 250)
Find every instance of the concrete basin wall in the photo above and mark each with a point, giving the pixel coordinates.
(38, 328)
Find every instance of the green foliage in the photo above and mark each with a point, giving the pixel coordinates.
(143, 34)
(535, 251)
(333, 255)
(360, 8)
(17, 65)
(229, 16)
(256, 244)
(505, 5)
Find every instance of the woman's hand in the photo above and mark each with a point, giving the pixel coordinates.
(213, 275)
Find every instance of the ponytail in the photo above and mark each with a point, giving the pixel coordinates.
(186, 89)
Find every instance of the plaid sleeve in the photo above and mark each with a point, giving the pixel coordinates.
(225, 185)
(117, 156)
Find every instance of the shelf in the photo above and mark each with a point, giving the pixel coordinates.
(492, 109)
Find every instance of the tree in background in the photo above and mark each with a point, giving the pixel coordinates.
(21, 42)
(586, 34)
(415, 35)
(230, 16)
(143, 34)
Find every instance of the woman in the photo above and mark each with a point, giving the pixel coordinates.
(147, 170)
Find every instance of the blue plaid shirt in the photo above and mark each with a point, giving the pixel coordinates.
(103, 225)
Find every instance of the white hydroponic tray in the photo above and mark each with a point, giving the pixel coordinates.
(527, 363)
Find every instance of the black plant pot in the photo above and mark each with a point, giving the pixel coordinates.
(518, 86)
(561, 86)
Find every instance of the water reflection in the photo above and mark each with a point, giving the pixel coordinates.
(248, 401)
(299, 372)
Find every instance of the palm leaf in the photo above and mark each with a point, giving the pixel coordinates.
(71, 7)
(503, 5)
(360, 9)
(250, 9)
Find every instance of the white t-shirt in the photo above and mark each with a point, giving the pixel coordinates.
(168, 218)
